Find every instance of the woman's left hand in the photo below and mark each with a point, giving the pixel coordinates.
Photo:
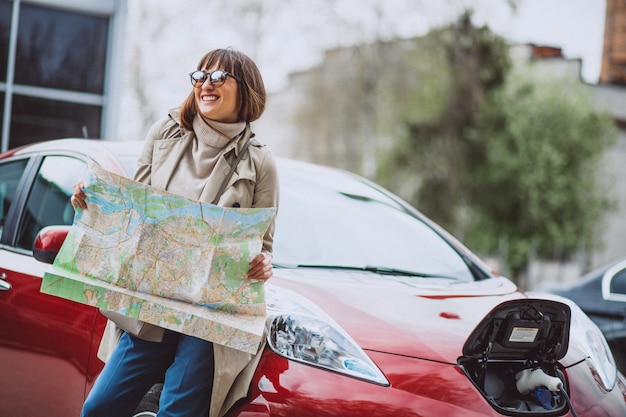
(261, 267)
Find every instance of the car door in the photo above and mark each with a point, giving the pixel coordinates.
(47, 355)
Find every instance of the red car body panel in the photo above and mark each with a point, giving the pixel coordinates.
(418, 388)
(429, 321)
(280, 386)
(48, 342)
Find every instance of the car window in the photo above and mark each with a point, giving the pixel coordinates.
(10, 174)
(341, 221)
(618, 283)
(49, 198)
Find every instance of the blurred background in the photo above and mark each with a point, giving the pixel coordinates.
(504, 121)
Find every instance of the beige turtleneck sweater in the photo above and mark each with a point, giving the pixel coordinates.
(195, 167)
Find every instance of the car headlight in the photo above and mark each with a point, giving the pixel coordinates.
(591, 338)
(312, 341)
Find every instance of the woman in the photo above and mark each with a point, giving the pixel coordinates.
(189, 153)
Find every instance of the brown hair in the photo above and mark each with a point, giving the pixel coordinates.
(251, 100)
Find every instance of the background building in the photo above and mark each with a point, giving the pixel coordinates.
(613, 70)
(610, 94)
(60, 68)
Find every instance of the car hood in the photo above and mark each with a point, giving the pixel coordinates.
(425, 318)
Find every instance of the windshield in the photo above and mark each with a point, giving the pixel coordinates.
(331, 219)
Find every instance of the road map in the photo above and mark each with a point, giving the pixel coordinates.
(164, 259)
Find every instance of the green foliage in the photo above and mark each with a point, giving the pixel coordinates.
(428, 166)
(507, 162)
(537, 191)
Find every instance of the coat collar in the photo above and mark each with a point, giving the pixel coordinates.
(234, 145)
(222, 168)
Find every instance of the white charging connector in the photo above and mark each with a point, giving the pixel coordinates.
(529, 379)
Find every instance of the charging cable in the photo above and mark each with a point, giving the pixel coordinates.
(528, 380)
(568, 402)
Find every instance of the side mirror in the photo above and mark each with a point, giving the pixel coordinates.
(48, 243)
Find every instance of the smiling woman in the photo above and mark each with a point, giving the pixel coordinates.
(217, 99)
(203, 151)
(227, 86)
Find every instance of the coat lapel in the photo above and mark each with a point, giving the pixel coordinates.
(223, 166)
(221, 170)
(162, 173)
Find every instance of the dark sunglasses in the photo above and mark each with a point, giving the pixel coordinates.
(217, 77)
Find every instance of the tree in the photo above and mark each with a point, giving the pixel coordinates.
(506, 163)
(538, 192)
(442, 148)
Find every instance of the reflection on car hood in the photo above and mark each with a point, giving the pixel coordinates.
(417, 317)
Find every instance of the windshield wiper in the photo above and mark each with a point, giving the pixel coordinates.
(383, 270)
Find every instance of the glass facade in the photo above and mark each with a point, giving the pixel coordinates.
(1, 110)
(35, 119)
(61, 49)
(52, 70)
(5, 27)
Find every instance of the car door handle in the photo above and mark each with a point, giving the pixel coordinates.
(4, 286)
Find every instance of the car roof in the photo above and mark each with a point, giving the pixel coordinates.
(116, 156)
(94, 148)
(89, 147)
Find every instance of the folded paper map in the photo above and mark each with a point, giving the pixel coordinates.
(164, 259)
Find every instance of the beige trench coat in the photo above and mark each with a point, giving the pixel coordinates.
(253, 184)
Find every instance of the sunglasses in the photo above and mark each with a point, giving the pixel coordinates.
(216, 78)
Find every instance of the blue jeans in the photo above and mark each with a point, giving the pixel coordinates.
(135, 365)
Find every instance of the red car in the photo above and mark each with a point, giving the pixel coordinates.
(373, 310)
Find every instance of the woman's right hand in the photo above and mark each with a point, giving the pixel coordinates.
(79, 199)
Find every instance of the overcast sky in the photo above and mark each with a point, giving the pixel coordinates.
(576, 26)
